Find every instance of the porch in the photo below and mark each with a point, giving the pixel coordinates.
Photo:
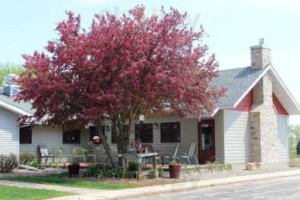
(163, 134)
(224, 138)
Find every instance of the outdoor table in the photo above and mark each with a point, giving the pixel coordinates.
(139, 158)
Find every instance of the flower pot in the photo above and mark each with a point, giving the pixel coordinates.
(174, 171)
(73, 170)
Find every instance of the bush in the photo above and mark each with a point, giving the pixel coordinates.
(133, 166)
(35, 163)
(8, 163)
(101, 171)
(26, 158)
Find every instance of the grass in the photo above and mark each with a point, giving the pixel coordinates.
(15, 193)
(63, 180)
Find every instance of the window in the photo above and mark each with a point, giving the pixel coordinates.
(71, 137)
(170, 132)
(93, 132)
(26, 135)
(146, 134)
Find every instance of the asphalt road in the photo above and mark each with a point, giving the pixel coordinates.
(281, 188)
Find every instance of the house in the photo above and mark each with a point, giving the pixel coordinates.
(249, 124)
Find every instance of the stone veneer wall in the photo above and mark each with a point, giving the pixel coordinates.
(255, 141)
(263, 122)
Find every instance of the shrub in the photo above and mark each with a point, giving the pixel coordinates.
(8, 163)
(217, 166)
(26, 158)
(35, 163)
(133, 166)
(101, 171)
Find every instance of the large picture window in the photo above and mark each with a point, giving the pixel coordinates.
(71, 137)
(26, 135)
(170, 132)
(146, 132)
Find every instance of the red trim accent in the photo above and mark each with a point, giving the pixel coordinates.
(246, 103)
(278, 106)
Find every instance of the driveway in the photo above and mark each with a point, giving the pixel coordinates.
(280, 188)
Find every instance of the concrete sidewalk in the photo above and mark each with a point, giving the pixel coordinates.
(92, 194)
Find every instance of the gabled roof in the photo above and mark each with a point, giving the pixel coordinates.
(239, 82)
(236, 81)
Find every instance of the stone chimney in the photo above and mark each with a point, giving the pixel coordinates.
(260, 55)
(263, 117)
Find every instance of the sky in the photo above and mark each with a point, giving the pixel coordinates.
(232, 27)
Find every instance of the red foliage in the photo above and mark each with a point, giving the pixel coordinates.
(120, 66)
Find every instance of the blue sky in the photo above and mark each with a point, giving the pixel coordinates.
(233, 26)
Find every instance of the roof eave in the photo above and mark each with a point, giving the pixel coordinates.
(294, 109)
(14, 109)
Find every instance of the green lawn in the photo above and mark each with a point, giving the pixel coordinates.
(63, 180)
(15, 193)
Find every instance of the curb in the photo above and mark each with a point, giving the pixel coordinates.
(151, 190)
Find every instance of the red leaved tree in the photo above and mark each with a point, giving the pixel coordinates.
(118, 69)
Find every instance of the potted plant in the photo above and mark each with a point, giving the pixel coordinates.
(174, 168)
(74, 169)
(138, 146)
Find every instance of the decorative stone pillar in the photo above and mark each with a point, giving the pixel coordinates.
(255, 139)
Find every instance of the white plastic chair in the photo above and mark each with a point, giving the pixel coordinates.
(79, 153)
(191, 154)
(44, 153)
(171, 156)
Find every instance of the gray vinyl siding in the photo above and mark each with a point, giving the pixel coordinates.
(236, 137)
(188, 133)
(52, 138)
(282, 150)
(219, 136)
(9, 132)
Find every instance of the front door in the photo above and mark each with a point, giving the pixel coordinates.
(206, 137)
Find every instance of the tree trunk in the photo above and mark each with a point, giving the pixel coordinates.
(120, 132)
(106, 146)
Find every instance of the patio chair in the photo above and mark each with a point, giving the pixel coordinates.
(79, 153)
(170, 157)
(44, 154)
(62, 156)
(191, 154)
